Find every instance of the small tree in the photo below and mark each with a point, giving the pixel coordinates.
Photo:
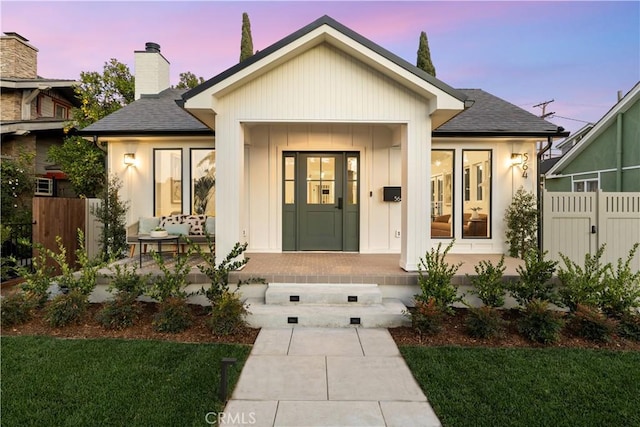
(111, 213)
(521, 219)
(246, 43)
(424, 55)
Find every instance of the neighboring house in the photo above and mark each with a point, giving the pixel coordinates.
(34, 109)
(607, 157)
(325, 141)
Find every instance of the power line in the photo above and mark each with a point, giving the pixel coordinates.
(569, 118)
(544, 104)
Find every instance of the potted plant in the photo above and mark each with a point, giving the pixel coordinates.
(474, 214)
(158, 232)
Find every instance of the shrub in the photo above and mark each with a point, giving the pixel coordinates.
(121, 312)
(172, 281)
(629, 327)
(173, 316)
(16, 308)
(539, 324)
(485, 322)
(219, 274)
(37, 279)
(621, 290)
(582, 285)
(227, 315)
(125, 279)
(521, 220)
(435, 284)
(67, 308)
(535, 279)
(590, 323)
(427, 317)
(488, 283)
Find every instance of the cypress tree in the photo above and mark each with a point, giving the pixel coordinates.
(424, 55)
(246, 43)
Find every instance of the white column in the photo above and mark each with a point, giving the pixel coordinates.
(229, 185)
(416, 169)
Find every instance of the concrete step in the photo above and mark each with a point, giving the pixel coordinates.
(387, 314)
(322, 293)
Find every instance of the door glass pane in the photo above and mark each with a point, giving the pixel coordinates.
(289, 192)
(289, 168)
(352, 180)
(203, 182)
(167, 166)
(321, 180)
(313, 168)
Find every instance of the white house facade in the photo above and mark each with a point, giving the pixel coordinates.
(325, 141)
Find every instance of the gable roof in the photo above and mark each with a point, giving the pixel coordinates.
(493, 116)
(150, 115)
(603, 124)
(324, 20)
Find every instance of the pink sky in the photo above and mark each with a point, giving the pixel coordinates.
(578, 53)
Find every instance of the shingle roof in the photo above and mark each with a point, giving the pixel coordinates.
(493, 116)
(151, 114)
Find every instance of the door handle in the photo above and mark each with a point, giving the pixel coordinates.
(339, 203)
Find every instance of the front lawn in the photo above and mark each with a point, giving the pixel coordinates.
(49, 381)
(528, 387)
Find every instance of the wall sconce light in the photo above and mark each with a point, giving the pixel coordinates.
(516, 159)
(129, 159)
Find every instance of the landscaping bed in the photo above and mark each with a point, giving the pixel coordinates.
(88, 327)
(454, 333)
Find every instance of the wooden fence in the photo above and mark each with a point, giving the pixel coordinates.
(575, 224)
(63, 217)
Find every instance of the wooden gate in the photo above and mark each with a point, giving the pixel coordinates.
(63, 217)
(575, 224)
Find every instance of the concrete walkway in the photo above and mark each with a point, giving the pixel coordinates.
(306, 377)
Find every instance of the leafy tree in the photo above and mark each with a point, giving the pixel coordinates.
(102, 94)
(189, 80)
(424, 56)
(17, 188)
(246, 43)
(83, 162)
(521, 219)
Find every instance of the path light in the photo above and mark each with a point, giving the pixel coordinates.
(224, 365)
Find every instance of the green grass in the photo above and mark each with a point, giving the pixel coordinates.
(529, 387)
(48, 381)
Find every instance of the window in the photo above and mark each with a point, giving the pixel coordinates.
(476, 201)
(60, 111)
(352, 180)
(289, 180)
(442, 172)
(167, 167)
(590, 185)
(203, 181)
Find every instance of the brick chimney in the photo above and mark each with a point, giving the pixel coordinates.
(18, 59)
(151, 71)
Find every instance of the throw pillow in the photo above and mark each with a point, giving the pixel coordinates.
(178, 229)
(197, 223)
(210, 225)
(147, 224)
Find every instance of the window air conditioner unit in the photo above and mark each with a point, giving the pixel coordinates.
(44, 187)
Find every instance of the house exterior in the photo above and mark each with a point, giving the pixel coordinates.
(607, 157)
(34, 109)
(325, 141)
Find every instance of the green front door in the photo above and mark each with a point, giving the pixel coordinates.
(320, 206)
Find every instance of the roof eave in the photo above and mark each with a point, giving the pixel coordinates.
(507, 134)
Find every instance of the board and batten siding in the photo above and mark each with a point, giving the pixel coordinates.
(322, 85)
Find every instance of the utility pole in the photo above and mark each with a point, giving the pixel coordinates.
(544, 109)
